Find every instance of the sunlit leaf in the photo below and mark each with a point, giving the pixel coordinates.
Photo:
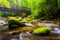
(5, 3)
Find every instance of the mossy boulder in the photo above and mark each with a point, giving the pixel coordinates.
(15, 23)
(42, 31)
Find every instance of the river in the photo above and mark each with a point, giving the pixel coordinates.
(4, 33)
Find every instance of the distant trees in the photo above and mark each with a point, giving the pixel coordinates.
(41, 9)
(34, 5)
(5, 3)
(53, 7)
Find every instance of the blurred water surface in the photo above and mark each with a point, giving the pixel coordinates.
(26, 35)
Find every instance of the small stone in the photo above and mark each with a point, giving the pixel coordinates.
(29, 24)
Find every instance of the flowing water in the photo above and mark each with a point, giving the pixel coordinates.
(5, 34)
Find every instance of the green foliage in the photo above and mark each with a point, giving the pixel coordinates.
(5, 3)
(43, 30)
(6, 14)
(10, 3)
(0, 14)
(42, 9)
(33, 5)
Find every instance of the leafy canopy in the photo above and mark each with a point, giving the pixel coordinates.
(5, 3)
(33, 5)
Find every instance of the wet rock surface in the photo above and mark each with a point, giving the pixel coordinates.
(4, 35)
(3, 24)
(29, 36)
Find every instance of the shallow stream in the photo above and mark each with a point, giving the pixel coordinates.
(4, 32)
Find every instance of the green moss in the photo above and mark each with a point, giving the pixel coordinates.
(16, 32)
(15, 22)
(58, 23)
(42, 31)
(28, 19)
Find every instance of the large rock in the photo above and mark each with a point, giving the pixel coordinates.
(15, 23)
(42, 31)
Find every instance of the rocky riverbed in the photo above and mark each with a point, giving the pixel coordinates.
(24, 34)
